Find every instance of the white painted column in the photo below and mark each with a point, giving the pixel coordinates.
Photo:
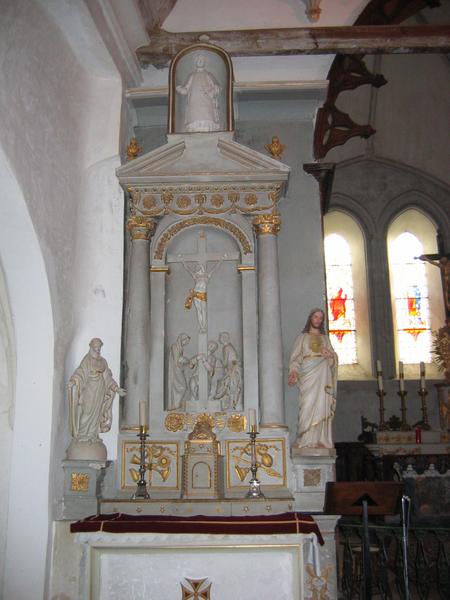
(270, 343)
(137, 337)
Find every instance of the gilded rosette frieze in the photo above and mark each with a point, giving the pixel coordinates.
(173, 230)
(140, 228)
(179, 421)
(264, 224)
(156, 201)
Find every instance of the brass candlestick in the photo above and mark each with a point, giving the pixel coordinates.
(383, 426)
(404, 426)
(254, 489)
(424, 424)
(141, 486)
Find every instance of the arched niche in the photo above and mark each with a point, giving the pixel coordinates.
(201, 91)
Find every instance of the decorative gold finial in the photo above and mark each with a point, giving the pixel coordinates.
(275, 148)
(133, 149)
(313, 10)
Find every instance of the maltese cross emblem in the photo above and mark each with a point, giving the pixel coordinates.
(199, 589)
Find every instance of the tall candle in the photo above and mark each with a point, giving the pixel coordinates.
(251, 419)
(401, 376)
(142, 413)
(422, 375)
(379, 376)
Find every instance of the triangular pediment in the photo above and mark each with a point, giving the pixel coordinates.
(200, 157)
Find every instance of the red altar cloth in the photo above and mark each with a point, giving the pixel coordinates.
(260, 525)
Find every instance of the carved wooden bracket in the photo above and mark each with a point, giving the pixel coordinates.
(334, 127)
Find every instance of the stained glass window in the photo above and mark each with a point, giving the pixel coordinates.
(340, 294)
(411, 302)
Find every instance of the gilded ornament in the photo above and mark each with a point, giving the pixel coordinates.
(79, 482)
(275, 148)
(236, 423)
(311, 477)
(251, 199)
(174, 421)
(199, 589)
(441, 350)
(167, 197)
(183, 202)
(217, 200)
(233, 197)
(214, 221)
(141, 228)
(133, 149)
(149, 202)
(264, 224)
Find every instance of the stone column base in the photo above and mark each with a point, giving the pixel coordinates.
(312, 470)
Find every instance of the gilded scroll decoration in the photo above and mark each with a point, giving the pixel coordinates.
(215, 222)
(269, 457)
(161, 464)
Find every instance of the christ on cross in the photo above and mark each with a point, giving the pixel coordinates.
(197, 295)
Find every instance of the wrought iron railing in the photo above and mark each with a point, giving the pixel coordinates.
(428, 562)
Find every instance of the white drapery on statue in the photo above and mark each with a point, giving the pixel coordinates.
(317, 390)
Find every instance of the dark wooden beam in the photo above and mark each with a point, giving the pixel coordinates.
(361, 39)
(155, 12)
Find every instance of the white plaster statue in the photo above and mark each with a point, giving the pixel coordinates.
(91, 391)
(213, 365)
(229, 388)
(313, 368)
(178, 386)
(197, 294)
(202, 103)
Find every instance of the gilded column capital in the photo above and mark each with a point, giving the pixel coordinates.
(267, 224)
(140, 228)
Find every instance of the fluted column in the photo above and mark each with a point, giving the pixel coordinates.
(137, 320)
(270, 348)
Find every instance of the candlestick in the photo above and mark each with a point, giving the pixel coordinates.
(142, 414)
(423, 396)
(141, 486)
(404, 426)
(254, 488)
(401, 376)
(422, 375)
(383, 426)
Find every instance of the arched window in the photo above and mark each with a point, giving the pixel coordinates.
(416, 292)
(341, 304)
(347, 300)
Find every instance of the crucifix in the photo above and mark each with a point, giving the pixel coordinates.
(197, 266)
(442, 261)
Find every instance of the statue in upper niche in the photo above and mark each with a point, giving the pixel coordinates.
(202, 102)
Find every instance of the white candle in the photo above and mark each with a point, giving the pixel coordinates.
(379, 376)
(142, 414)
(380, 383)
(401, 376)
(251, 419)
(422, 375)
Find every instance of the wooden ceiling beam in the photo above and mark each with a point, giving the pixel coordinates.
(361, 39)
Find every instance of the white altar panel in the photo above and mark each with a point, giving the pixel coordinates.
(154, 566)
